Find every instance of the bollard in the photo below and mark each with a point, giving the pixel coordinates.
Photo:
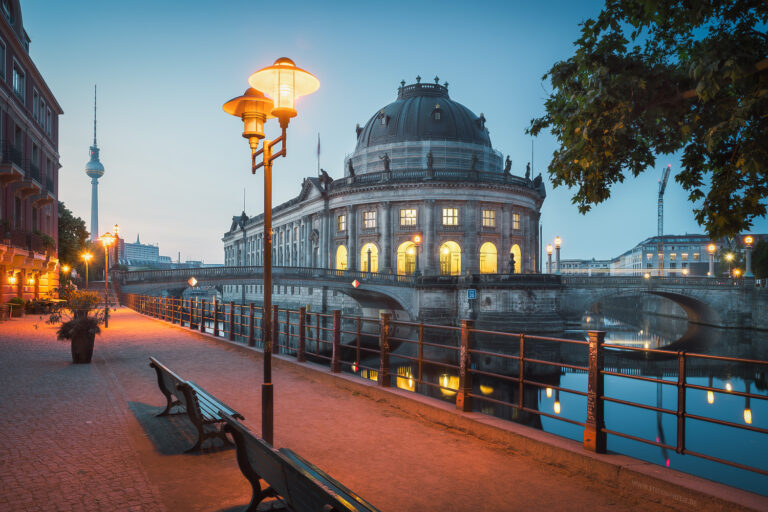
(300, 351)
(231, 320)
(202, 315)
(463, 398)
(251, 320)
(216, 318)
(594, 437)
(276, 328)
(384, 377)
(336, 348)
(680, 448)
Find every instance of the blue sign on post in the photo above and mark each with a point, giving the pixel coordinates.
(471, 294)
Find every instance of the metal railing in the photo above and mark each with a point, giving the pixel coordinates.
(453, 351)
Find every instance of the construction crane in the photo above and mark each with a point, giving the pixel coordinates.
(659, 244)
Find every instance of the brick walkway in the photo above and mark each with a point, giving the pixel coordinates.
(84, 437)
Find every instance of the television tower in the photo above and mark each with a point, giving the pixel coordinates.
(95, 170)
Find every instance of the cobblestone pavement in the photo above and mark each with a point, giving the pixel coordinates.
(84, 437)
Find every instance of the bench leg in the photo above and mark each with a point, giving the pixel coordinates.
(167, 411)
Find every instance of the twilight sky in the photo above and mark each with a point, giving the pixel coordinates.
(176, 165)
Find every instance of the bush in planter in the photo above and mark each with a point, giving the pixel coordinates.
(17, 307)
(80, 321)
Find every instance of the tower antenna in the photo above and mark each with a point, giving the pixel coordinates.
(94, 114)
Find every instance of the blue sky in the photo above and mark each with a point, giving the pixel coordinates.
(176, 165)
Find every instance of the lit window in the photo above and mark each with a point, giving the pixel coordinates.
(696, 256)
(684, 256)
(489, 219)
(19, 81)
(649, 256)
(342, 223)
(369, 220)
(672, 257)
(408, 217)
(450, 216)
(515, 221)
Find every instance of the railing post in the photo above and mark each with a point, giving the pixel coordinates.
(384, 377)
(680, 403)
(521, 377)
(463, 400)
(192, 304)
(336, 351)
(357, 341)
(300, 350)
(231, 320)
(420, 362)
(594, 437)
(275, 328)
(202, 315)
(251, 325)
(215, 317)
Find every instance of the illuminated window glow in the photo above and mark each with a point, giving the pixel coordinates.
(341, 258)
(406, 258)
(450, 259)
(489, 218)
(488, 259)
(515, 221)
(450, 216)
(373, 264)
(517, 253)
(342, 223)
(408, 217)
(369, 219)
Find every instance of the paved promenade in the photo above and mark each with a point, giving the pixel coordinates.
(84, 437)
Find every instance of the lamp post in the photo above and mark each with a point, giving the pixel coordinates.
(117, 241)
(417, 242)
(65, 272)
(748, 241)
(729, 259)
(106, 239)
(558, 243)
(549, 258)
(711, 248)
(283, 82)
(86, 256)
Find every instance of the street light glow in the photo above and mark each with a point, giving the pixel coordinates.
(558, 242)
(549, 249)
(711, 248)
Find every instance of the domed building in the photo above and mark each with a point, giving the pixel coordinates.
(423, 165)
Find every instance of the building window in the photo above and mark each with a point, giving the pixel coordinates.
(696, 256)
(450, 216)
(489, 219)
(2, 59)
(684, 256)
(649, 256)
(19, 81)
(341, 258)
(369, 220)
(672, 257)
(515, 221)
(35, 105)
(488, 258)
(41, 112)
(342, 223)
(48, 121)
(408, 217)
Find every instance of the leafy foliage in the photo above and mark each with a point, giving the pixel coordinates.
(655, 77)
(79, 316)
(72, 235)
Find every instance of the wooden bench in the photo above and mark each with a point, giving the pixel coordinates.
(5, 312)
(302, 486)
(202, 408)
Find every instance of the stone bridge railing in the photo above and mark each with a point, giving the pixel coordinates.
(635, 281)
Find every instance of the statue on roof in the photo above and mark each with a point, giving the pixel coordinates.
(386, 161)
(350, 167)
(508, 166)
(430, 160)
(474, 162)
(528, 171)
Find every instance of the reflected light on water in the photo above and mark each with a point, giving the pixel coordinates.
(449, 384)
(710, 397)
(748, 416)
(728, 386)
(556, 407)
(486, 390)
(549, 392)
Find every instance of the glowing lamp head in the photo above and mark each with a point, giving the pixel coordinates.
(31, 280)
(192, 281)
(254, 109)
(729, 256)
(711, 248)
(284, 83)
(685, 271)
(558, 242)
(86, 256)
(116, 229)
(749, 240)
(647, 275)
(65, 268)
(107, 239)
(736, 272)
(417, 239)
(549, 248)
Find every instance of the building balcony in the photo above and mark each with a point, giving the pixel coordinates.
(11, 163)
(47, 195)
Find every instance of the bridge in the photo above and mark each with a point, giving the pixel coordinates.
(500, 298)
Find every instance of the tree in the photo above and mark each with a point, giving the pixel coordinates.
(651, 77)
(72, 236)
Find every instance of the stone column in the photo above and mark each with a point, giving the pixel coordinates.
(469, 257)
(352, 237)
(506, 227)
(325, 239)
(307, 241)
(427, 257)
(385, 258)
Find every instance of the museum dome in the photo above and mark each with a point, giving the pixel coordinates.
(423, 111)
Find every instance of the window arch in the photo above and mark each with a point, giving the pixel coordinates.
(450, 259)
(341, 258)
(515, 251)
(406, 258)
(373, 264)
(489, 258)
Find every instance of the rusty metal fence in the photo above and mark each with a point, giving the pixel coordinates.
(367, 351)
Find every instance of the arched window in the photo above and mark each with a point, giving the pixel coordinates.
(341, 258)
(369, 258)
(450, 259)
(515, 251)
(406, 258)
(488, 259)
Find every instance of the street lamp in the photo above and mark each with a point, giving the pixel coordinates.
(283, 82)
(711, 248)
(748, 241)
(549, 258)
(558, 242)
(86, 257)
(417, 242)
(117, 242)
(106, 239)
(729, 259)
